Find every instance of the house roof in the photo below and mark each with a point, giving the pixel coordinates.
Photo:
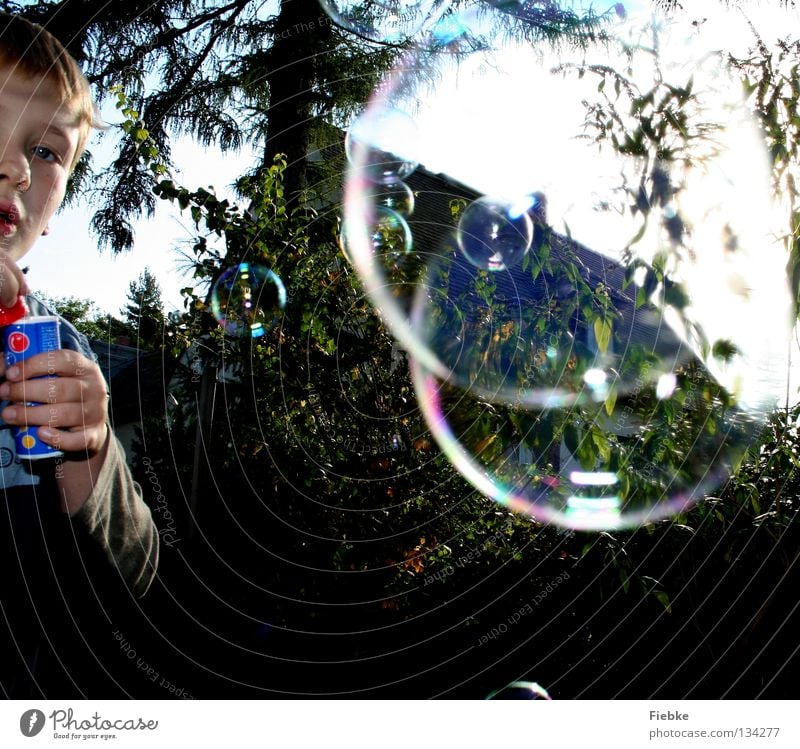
(432, 228)
(137, 380)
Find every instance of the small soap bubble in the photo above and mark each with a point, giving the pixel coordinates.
(390, 234)
(390, 244)
(378, 145)
(493, 234)
(387, 21)
(396, 195)
(247, 299)
(521, 690)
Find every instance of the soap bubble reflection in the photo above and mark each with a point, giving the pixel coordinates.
(247, 300)
(598, 320)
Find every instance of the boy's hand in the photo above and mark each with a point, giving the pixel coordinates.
(12, 281)
(76, 400)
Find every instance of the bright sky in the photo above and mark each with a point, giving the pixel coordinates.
(68, 263)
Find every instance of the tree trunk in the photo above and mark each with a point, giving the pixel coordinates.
(302, 31)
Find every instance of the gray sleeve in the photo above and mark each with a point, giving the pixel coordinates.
(117, 518)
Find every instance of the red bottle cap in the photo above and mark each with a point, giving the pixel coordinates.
(12, 314)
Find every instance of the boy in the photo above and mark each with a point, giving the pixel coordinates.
(73, 528)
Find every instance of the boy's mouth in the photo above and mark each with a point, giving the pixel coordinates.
(9, 216)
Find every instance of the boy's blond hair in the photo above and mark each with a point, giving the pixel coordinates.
(34, 51)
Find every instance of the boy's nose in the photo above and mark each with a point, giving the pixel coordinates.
(16, 170)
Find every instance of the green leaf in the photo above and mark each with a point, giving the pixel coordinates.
(602, 334)
(602, 444)
(611, 401)
(639, 234)
(587, 454)
(663, 599)
(675, 296)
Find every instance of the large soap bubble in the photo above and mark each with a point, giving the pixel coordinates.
(617, 366)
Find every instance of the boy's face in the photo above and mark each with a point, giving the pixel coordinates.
(38, 139)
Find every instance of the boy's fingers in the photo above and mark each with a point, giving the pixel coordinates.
(62, 415)
(62, 362)
(76, 440)
(48, 390)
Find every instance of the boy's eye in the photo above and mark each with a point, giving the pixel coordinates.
(44, 153)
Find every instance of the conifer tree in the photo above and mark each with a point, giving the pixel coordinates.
(144, 312)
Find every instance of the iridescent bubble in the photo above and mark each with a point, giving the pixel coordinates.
(390, 233)
(614, 365)
(247, 299)
(391, 244)
(396, 195)
(493, 234)
(521, 690)
(388, 21)
(380, 143)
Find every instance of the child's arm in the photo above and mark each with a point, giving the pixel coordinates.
(120, 522)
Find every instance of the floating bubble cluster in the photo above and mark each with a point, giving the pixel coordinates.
(591, 293)
(247, 299)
